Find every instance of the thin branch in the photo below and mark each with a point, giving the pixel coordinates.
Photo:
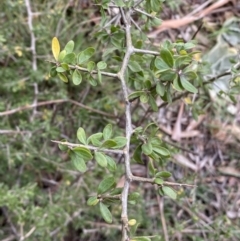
(50, 102)
(144, 13)
(28, 234)
(93, 71)
(128, 128)
(68, 220)
(163, 220)
(151, 180)
(93, 148)
(33, 38)
(145, 51)
(13, 132)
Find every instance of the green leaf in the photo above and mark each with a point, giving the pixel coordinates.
(69, 46)
(163, 174)
(53, 72)
(63, 77)
(121, 142)
(95, 139)
(167, 56)
(81, 135)
(62, 55)
(92, 81)
(92, 201)
(177, 84)
(85, 55)
(134, 66)
(137, 155)
(65, 66)
(190, 75)
(147, 84)
(110, 143)
(160, 89)
(69, 58)
(76, 77)
(182, 61)
(101, 65)
(169, 192)
(189, 45)
(161, 151)
(116, 191)
(101, 159)
(151, 168)
(107, 132)
(144, 97)
(134, 196)
(111, 164)
(78, 162)
(119, 3)
(187, 85)
(83, 152)
(135, 94)
(160, 64)
(160, 191)
(147, 148)
(106, 214)
(60, 69)
(106, 184)
(152, 103)
(63, 147)
(90, 66)
(158, 181)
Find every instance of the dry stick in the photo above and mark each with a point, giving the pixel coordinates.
(26, 107)
(160, 201)
(121, 75)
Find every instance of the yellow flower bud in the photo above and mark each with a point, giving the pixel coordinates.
(132, 222)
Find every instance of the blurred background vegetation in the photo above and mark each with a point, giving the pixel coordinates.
(42, 197)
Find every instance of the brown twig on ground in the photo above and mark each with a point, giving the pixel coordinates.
(177, 23)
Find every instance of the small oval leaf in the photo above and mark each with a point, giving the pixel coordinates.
(85, 55)
(158, 181)
(106, 184)
(147, 148)
(187, 85)
(169, 192)
(92, 201)
(161, 151)
(167, 57)
(95, 139)
(109, 144)
(101, 65)
(101, 159)
(107, 132)
(106, 214)
(78, 162)
(83, 152)
(81, 135)
(121, 142)
(55, 48)
(76, 77)
(163, 174)
(69, 46)
(69, 58)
